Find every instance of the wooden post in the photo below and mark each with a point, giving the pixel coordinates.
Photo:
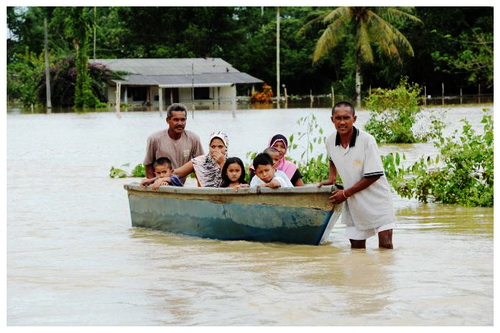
(118, 98)
(460, 95)
(160, 99)
(333, 96)
(425, 95)
(442, 93)
(278, 86)
(479, 93)
(47, 71)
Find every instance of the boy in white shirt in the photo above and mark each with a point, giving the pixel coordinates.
(266, 174)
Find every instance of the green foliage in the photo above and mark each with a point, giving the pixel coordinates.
(79, 25)
(393, 115)
(461, 174)
(315, 168)
(63, 79)
(475, 56)
(461, 44)
(137, 171)
(22, 78)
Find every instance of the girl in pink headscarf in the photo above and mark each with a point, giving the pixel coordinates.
(280, 143)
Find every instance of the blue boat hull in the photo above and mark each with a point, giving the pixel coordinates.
(226, 215)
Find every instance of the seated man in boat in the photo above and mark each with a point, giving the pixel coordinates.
(176, 143)
(266, 175)
(164, 174)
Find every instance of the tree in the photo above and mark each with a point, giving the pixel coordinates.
(366, 25)
(78, 24)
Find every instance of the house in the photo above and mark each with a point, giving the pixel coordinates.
(160, 82)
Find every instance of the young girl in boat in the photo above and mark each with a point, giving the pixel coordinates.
(233, 174)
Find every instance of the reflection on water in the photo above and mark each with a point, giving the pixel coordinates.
(74, 259)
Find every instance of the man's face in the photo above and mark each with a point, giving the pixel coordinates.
(343, 119)
(177, 122)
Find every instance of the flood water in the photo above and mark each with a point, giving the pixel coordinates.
(73, 258)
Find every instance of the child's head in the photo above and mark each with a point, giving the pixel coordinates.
(275, 155)
(163, 167)
(233, 171)
(263, 165)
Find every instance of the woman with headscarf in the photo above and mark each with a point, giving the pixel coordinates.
(207, 168)
(280, 143)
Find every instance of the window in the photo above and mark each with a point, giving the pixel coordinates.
(202, 93)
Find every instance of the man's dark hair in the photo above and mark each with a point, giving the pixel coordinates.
(262, 159)
(344, 104)
(163, 161)
(176, 107)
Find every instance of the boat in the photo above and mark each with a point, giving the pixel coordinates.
(299, 215)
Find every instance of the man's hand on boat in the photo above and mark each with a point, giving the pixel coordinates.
(325, 182)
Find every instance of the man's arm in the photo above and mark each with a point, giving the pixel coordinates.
(332, 176)
(184, 170)
(150, 171)
(339, 196)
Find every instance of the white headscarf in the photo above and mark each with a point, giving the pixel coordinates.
(207, 170)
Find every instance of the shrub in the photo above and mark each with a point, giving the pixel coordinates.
(461, 174)
(393, 114)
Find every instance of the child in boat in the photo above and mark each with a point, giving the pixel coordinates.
(276, 157)
(233, 174)
(164, 176)
(266, 174)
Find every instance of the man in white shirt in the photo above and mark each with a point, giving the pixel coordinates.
(367, 195)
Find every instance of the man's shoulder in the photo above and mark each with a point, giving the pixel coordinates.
(366, 136)
(191, 135)
(158, 134)
(330, 140)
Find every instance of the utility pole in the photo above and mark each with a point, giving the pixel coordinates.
(278, 85)
(95, 29)
(47, 70)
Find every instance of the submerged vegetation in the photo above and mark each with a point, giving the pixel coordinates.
(394, 112)
(461, 174)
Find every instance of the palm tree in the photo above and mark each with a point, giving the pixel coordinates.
(367, 25)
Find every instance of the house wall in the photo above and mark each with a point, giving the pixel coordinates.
(217, 95)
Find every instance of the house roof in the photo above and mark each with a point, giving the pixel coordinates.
(186, 72)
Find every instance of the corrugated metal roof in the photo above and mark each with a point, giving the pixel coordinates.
(185, 72)
(197, 80)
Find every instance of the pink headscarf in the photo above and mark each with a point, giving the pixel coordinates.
(287, 167)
